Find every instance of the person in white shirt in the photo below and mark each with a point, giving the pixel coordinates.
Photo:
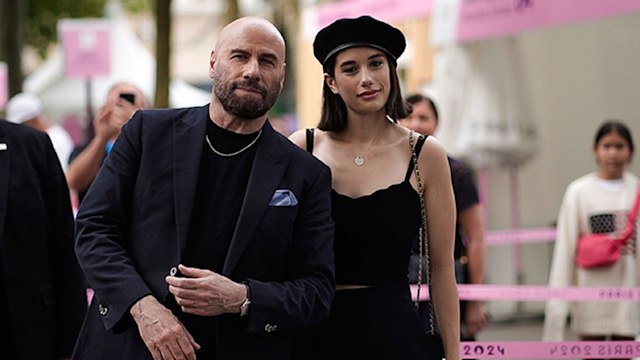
(27, 109)
(598, 202)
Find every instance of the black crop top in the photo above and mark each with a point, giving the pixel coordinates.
(374, 233)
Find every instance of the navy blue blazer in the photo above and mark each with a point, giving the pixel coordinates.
(43, 284)
(132, 230)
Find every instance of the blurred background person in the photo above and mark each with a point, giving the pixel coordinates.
(469, 244)
(597, 203)
(42, 289)
(123, 100)
(27, 109)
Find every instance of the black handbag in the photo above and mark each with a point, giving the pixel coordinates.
(421, 264)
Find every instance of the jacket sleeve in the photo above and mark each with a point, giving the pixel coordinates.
(101, 244)
(562, 265)
(305, 298)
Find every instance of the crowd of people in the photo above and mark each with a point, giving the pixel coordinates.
(205, 233)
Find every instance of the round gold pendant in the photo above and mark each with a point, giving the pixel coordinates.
(359, 160)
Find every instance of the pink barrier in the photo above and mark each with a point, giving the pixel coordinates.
(539, 350)
(518, 236)
(538, 293)
(549, 350)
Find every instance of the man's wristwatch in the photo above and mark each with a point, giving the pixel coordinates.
(244, 308)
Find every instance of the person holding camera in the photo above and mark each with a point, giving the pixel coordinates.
(123, 100)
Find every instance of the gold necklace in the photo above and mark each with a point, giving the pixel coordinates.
(359, 159)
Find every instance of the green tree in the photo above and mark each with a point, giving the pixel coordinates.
(11, 35)
(43, 15)
(232, 11)
(163, 52)
(34, 23)
(286, 15)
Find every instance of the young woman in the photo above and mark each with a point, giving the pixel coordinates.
(376, 206)
(598, 202)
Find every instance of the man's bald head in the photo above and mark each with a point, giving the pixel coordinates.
(247, 68)
(244, 26)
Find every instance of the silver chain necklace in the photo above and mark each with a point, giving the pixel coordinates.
(235, 152)
(359, 159)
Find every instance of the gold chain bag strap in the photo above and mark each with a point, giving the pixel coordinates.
(423, 238)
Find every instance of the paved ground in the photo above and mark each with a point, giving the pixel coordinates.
(524, 329)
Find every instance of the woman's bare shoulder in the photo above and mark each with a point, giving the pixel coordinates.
(433, 147)
(298, 137)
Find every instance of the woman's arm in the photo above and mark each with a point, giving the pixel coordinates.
(441, 219)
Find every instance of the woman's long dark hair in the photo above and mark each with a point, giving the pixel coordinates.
(334, 110)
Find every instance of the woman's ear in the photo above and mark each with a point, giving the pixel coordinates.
(331, 83)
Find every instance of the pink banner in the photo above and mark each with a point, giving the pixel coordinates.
(87, 47)
(481, 19)
(4, 85)
(389, 10)
(550, 350)
(519, 236)
(537, 293)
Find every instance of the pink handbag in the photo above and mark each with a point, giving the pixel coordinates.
(601, 250)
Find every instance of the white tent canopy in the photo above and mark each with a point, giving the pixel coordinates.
(480, 92)
(131, 61)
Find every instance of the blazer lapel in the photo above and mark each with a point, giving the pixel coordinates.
(269, 165)
(5, 170)
(188, 142)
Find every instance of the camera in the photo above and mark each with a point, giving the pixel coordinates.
(130, 97)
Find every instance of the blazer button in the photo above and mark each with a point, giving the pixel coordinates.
(102, 310)
(270, 328)
(173, 271)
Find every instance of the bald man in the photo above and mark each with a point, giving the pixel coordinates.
(207, 234)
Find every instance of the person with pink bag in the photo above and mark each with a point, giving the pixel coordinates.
(598, 210)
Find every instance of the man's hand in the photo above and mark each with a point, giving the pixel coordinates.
(205, 293)
(103, 125)
(162, 333)
(122, 112)
(111, 117)
(475, 318)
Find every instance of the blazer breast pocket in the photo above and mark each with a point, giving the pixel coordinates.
(283, 197)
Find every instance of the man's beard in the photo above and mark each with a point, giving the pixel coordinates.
(246, 107)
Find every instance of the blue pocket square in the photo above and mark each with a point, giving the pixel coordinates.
(283, 197)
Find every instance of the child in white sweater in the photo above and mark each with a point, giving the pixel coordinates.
(598, 202)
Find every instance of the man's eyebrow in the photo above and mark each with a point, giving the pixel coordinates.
(268, 55)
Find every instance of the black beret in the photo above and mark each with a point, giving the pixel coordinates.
(363, 31)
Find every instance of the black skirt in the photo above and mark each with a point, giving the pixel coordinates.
(378, 322)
